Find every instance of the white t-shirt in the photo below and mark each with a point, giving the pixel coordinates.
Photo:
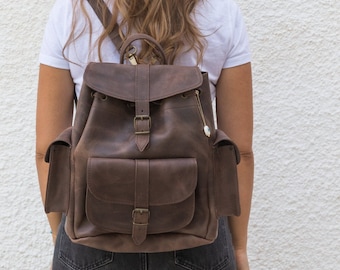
(219, 21)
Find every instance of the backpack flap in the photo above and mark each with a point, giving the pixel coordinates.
(121, 81)
(141, 84)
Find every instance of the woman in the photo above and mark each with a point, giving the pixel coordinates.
(210, 33)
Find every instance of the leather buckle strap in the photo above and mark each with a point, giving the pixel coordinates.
(142, 110)
(141, 213)
(140, 222)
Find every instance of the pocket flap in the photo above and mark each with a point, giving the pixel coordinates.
(170, 180)
(223, 139)
(63, 139)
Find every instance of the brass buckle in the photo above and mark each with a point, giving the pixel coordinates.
(140, 211)
(142, 118)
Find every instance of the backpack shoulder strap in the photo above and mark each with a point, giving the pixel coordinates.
(105, 18)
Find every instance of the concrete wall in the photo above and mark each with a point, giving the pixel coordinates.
(295, 222)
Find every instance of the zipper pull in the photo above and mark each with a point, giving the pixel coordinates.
(206, 128)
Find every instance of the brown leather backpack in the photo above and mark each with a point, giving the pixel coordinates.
(143, 169)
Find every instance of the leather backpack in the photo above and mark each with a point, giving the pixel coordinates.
(143, 169)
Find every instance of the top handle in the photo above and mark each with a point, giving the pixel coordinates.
(115, 37)
(126, 45)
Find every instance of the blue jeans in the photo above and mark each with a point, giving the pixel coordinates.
(216, 256)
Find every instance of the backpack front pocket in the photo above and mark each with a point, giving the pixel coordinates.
(155, 196)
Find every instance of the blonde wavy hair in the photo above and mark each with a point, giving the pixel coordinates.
(168, 21)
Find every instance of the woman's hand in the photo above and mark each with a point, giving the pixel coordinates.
(242, 262)
(54, 238)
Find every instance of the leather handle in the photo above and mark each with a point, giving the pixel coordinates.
(115, 37)
(126, 44)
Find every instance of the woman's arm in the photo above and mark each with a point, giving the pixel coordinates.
(235, 117)
(53, 115)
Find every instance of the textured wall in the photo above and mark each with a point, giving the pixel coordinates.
(295, 223)
(24, 232)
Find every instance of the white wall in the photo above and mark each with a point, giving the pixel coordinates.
(295, 223)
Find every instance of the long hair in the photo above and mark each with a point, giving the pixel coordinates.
(168, 21)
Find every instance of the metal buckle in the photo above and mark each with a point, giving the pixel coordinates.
(140, 211)
(142, 118)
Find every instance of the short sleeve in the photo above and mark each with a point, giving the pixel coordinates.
(56, 35)
(239, 51)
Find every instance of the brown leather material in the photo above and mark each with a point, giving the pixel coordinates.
(118, 81)
(142, 98)
(143, 176)
(122, 190)
(141, 212)
(226, 192)
(58, 186)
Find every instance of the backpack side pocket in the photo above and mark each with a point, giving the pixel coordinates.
(226, 192)
(58, 155)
